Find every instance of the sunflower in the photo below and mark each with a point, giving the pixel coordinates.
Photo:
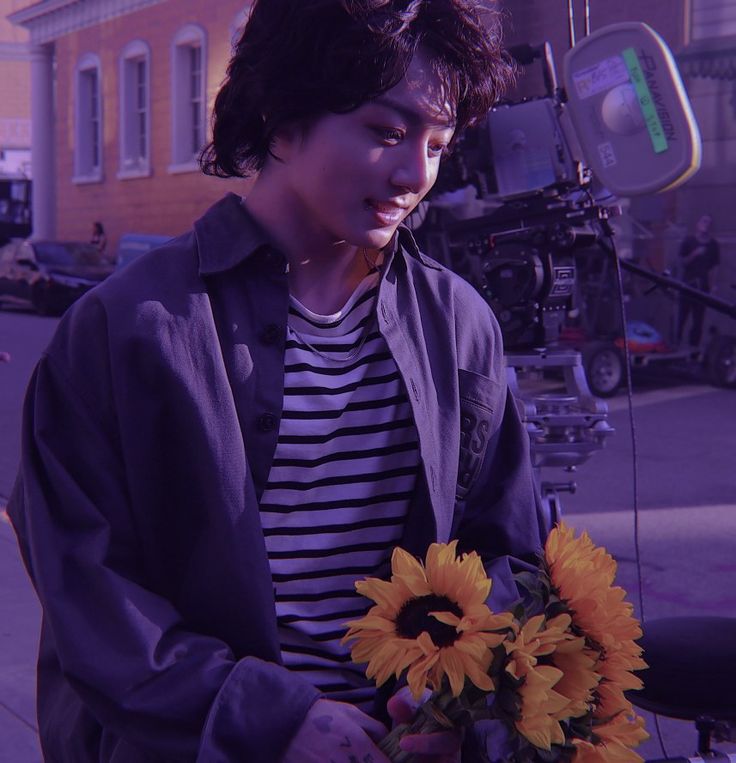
(430, 620)
(579, 676)
(614, 741)
(616, 666)
(626, 729)
(541, 703)
(587, 752)
(583, 575)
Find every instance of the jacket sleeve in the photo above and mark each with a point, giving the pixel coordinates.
(144, 675)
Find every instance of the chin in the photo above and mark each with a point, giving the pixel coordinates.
(377, 239)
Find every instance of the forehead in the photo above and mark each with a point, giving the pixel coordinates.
(421, 96)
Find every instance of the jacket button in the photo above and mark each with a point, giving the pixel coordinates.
(267, 422)
(271, 334)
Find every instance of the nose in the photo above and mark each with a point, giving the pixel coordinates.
(414, 172)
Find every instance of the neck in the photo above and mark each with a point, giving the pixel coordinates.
(323, 273)
(324, 285)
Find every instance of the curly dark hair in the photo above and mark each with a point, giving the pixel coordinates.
(300, 59)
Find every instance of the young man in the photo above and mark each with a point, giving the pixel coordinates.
(226, 435)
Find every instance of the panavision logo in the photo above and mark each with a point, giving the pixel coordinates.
(650, 69)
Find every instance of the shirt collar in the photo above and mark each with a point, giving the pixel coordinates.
(227, 234)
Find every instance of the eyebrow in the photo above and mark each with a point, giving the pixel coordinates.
(413, 117)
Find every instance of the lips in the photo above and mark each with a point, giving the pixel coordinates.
(387, 212)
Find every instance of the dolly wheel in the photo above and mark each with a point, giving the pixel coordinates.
(604, 368)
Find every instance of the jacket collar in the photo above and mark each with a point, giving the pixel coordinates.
(227, 234)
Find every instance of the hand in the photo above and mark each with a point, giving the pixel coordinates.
(438, 747)
(336, 732)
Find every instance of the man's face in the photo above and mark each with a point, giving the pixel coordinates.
(703, 224)
(356, 176)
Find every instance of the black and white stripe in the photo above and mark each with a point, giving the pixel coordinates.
(343, 474)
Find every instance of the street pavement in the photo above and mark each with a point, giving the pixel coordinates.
(686, 515)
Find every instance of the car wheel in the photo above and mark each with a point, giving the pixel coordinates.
(720, 361)
(604, 368)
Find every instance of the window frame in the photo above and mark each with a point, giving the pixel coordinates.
(88, 126)
(134, 53)
(184, 122)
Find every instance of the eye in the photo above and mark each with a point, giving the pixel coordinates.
(438, 149)
(390, 136)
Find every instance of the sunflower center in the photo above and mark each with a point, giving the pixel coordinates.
(414, 618)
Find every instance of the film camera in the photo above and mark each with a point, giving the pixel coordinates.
(542, 169)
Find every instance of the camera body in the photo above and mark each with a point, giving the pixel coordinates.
(543, 170)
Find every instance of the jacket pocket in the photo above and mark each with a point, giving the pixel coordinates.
(480, 411)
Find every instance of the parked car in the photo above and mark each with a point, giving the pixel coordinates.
(48, 275)
(133, 245)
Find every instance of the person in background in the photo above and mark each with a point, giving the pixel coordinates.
(99, 239)
(227, 434)
(699, 254)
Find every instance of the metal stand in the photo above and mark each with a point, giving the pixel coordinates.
(565, 429)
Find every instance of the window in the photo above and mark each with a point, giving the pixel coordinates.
(188, 102)
(195, 98)
(713, 18)
(135, 133)
(88, 121)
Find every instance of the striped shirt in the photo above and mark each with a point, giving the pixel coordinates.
(338, 491)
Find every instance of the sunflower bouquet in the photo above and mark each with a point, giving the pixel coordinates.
(553, 670)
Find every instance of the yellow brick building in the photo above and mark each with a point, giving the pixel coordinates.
(122, 94)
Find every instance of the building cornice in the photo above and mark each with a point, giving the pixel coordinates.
(48, 20)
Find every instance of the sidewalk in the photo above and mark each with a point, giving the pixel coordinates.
(18, 645)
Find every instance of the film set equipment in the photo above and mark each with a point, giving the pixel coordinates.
(621, 126)
(543, 170)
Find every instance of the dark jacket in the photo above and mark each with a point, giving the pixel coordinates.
(149, 428)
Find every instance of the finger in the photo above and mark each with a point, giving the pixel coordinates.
(402, 707)
(400, 710)
(373, 728)
(439, 743)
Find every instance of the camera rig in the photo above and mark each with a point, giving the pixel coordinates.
(521, 259)
(540, 170)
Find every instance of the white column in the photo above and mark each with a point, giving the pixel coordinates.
(43, 168)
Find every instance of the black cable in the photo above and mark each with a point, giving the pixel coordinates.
(660, 738)
(634, 450)
(632, 425)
